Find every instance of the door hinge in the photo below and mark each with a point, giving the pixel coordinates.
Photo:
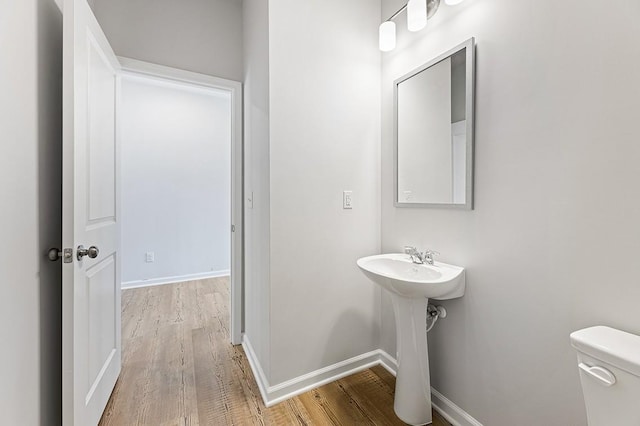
(233, 228)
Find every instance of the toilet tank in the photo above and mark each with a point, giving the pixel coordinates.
(609, 366)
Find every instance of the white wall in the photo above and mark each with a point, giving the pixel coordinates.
(324, 71)
(204, 36)
(176, 177)
(256, 177)
(556, 206)
(30, 215)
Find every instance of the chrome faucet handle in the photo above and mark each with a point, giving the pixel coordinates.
(428, 256)
(414, 254)
(410, 250)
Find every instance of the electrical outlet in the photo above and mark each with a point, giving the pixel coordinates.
(347, 199)
(150, 257)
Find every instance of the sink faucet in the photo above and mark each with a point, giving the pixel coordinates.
(420, 258)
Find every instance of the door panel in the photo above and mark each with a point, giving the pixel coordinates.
(91, 284)
(101, 140)
(101, 296)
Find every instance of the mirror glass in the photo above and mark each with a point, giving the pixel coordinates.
(434, 132)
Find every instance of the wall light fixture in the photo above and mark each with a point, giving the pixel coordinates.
(418, 11)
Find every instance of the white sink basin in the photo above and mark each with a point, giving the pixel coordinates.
(398, 274)
(411, 286)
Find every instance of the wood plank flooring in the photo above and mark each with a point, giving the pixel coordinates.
(180, 369)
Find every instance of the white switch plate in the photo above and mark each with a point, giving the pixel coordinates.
(150, 257)
(347, 199)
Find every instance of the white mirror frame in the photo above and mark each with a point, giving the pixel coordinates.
(469, 45)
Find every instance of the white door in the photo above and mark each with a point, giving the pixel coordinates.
(91, 283)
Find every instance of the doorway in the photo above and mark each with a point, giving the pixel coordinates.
(91, 208)
(181, 170)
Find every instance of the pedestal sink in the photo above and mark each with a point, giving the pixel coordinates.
(411, 285)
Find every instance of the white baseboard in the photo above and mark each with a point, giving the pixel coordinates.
(172, 280)
(317, 378)
(450, 411)
(258, 373)
(388, 362)
(290, 388)
(274, 394)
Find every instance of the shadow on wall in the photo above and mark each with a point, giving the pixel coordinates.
(49, 90)
(349, 323)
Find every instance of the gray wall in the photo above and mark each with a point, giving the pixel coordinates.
(458, 86)
(324, 67)
(256, 177)
(311, 131)
(30, 182)
(425, 163)
(552, 242)
(204, 36)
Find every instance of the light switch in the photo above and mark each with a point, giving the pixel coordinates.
(347, 199)
(150, 257)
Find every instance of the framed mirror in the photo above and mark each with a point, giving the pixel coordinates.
(433, 132)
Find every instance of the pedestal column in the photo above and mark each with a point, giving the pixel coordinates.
(413, 389)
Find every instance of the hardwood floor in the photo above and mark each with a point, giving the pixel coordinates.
(180, 369)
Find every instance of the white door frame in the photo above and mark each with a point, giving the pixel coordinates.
(235, 89)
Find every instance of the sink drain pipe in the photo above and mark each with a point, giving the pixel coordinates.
(433, 314)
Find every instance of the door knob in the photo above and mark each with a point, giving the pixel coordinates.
(54, 254)
(92, 252)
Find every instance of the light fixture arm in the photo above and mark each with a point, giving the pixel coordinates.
(432, 8)
(402, 9)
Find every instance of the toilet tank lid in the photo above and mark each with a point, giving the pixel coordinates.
(615, 347)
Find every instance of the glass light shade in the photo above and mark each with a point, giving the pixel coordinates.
(416, 14)
(387, 34)
(453, 2)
